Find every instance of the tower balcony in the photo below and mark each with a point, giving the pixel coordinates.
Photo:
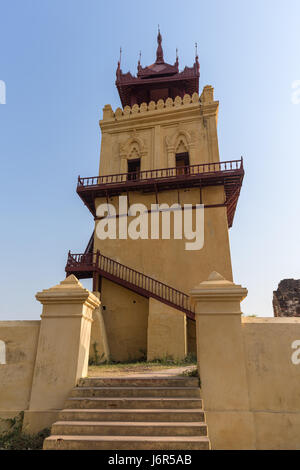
(228, 174)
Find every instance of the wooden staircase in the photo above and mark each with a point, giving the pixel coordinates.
(132, 414)
(85, 265)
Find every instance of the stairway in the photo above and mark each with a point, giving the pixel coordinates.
(86, 265)
(132, 414)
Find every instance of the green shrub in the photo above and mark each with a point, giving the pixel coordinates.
(169, 360)
(190, 373)
(96, 360)
(15, 439)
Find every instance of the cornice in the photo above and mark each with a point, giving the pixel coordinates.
(158, 117)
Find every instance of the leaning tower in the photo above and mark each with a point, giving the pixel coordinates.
(160, 147)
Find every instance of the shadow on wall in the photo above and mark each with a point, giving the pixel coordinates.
(2, 352)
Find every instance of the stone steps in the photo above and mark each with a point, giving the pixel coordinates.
(132, 403)
(137, 415)
(128, 428)
(135, 392)
(139, 382)
(126, 443)
(132, 413)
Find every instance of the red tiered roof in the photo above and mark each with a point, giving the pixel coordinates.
(157, 81)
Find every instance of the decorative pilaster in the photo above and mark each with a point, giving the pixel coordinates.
(63, 349)
(221, 361)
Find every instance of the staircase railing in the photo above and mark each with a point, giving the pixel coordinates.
(130, 278)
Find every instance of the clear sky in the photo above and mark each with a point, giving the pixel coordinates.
(58, 59)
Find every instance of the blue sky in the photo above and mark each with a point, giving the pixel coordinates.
(58, 60)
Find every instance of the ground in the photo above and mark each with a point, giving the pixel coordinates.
(141, 369)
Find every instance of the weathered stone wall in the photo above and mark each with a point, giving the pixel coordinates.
(286, 299)
(20, 340)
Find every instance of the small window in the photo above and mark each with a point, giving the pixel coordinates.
(182, 163)
(134, 168)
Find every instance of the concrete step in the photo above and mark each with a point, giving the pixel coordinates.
(137, 415)
(115, 428)
(133, 403)
(181, 392)
(61, 442)
(139, 382)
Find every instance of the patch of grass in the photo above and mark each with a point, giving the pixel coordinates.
(96, 360)
(15, 439)
(140, 365)
(190, 373)
(168, 360)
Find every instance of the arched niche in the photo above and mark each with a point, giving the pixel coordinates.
(181, 142)
(133, 149)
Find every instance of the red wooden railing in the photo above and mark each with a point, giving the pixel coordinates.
(162, 173)
(130, 278)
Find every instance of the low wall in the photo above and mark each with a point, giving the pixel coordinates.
(273, 380)
(20, 340)
(249, 370)
(272, 420)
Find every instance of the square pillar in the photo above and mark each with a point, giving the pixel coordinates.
(221, 362)
(63, 349)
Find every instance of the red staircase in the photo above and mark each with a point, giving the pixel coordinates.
(86, 265)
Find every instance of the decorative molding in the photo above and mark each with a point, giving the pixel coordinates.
(181, 135)
(69, 291)
(134, 142)
(161, 105)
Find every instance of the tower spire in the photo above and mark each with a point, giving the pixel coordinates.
(159, 51)
(118, 73)
(139, 61)
(197, 58)
(177, 60)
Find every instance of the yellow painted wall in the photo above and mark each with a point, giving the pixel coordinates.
(126, 319)
(158, 131)
(191, 337)
(167, 335)
(167, 260)
(250, 385)
(21, 338)
(99, 348)
(273, 380)
(155, 133)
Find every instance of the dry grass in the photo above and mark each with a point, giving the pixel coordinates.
(139, 367)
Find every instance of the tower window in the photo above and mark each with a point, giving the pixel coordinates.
(182, 161)
(134, 168)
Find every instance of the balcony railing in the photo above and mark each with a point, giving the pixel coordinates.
(162, 173)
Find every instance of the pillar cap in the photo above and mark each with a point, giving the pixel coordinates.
(216, 287)
(69, 291)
